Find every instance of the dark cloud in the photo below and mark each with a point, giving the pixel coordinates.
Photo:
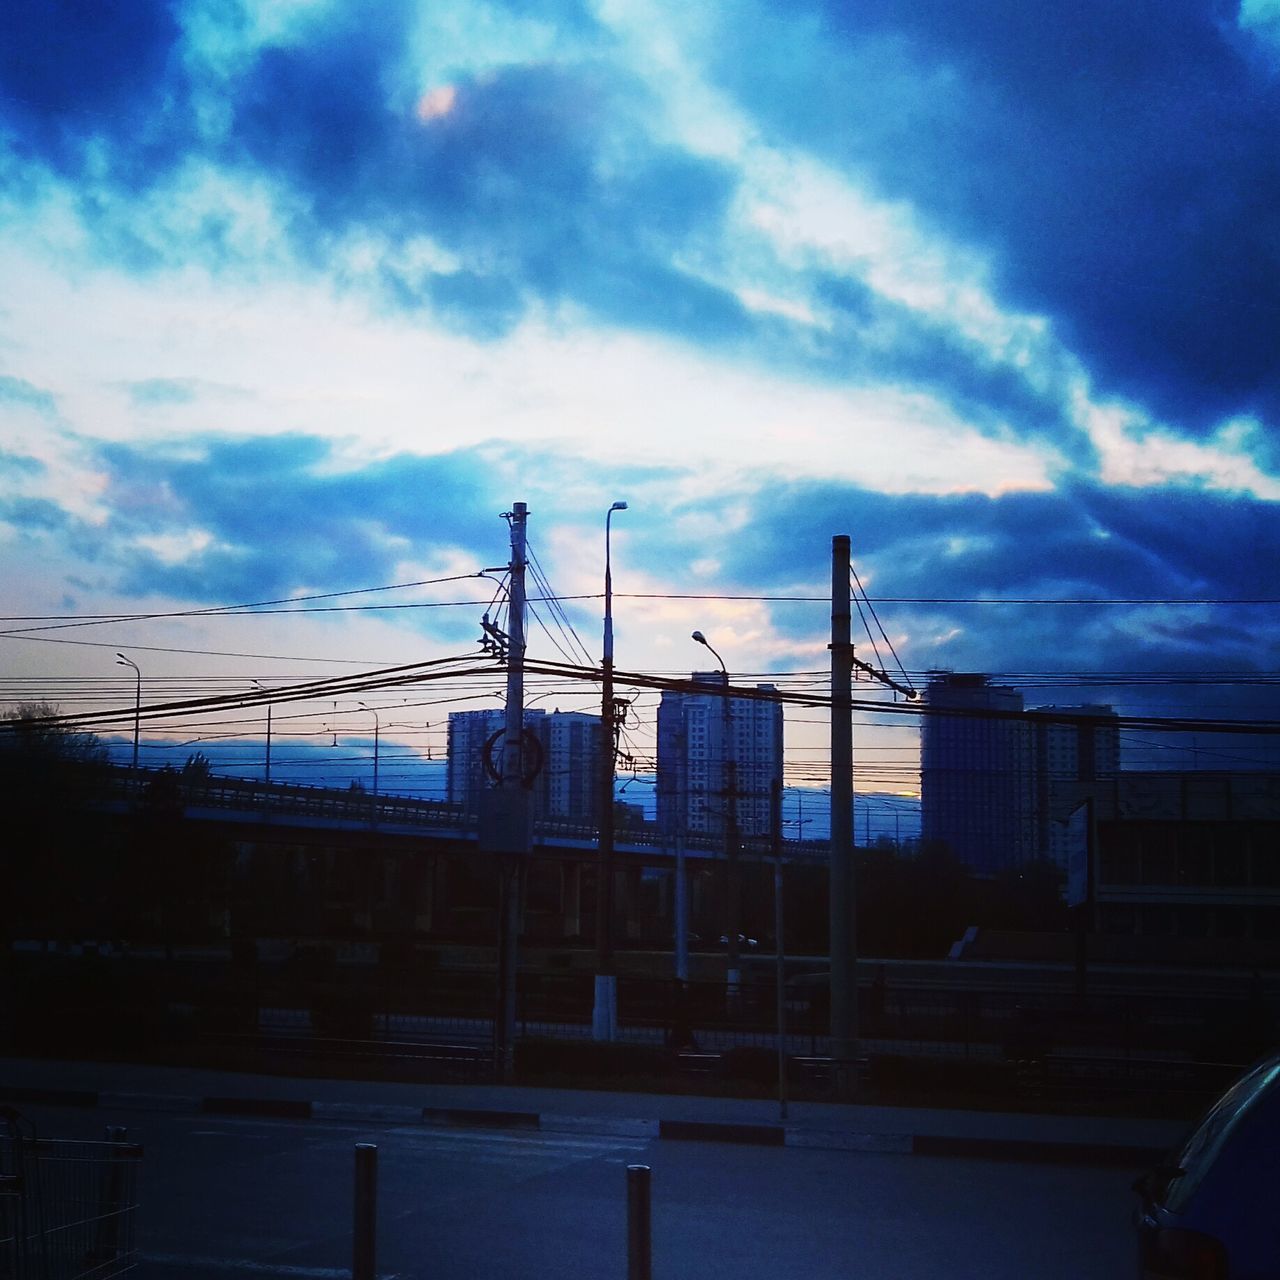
(1118, 160)
(34, 515)
(20, 464)
(541, 178)
(870, 337)
(19, 391)
(1083, 543)
(484, 306)
(75, 71)
(282, 516)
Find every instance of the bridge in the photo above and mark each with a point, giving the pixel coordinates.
(388, 862)
(296, 808)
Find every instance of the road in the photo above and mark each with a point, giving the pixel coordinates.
(228, 1197)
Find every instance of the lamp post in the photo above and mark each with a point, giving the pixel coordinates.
(604, 1017)
(728, 777)
(266, 777)
(377, 729)
(122, 661)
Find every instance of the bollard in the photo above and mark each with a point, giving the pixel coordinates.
(106, 1246)
(639, 1252)
(365, 1221)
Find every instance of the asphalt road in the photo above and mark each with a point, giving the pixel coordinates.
(227, 1197)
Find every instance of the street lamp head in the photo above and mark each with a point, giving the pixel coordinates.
(699, 637)
(618, 506)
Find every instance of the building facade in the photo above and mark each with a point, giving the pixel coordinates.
(571, 765)
(977, 772)
(694, 747)
(1186, 856)
(565, 786)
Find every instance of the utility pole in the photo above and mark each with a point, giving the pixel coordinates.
(512, 831)
(604, 1011)
(733, 961)
(779, 925)
(844, 991)
(680, 897)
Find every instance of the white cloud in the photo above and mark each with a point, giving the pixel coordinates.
(1136, 451)
(316, 362)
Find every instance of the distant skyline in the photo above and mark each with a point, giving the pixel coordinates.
(295, 303)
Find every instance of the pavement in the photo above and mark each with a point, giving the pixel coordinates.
(1107, 1140)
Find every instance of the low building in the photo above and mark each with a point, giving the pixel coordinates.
(1184, 855)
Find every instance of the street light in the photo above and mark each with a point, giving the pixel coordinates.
(728, 778)
(122, 661)
(266, 778)
(604, 1017)
(377, 728)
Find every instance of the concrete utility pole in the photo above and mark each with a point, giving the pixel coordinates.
(779, 946)
(514, 831)
(844, 949)
(680, 896)
(604, 1014)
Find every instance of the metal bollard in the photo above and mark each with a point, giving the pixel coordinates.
(365, 1222)
(639, 1250)
(106, 1246)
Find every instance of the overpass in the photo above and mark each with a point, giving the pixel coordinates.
(326, 814)
(363, 862)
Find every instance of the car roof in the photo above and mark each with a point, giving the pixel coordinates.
(1257, 1089)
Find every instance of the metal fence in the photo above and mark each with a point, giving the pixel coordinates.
(68, 1208)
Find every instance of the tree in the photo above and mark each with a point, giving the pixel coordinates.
(37, 736)
(51, 871)
(197, 767)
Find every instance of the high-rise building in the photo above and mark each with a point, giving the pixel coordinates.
(566, 756)
(692, 752)
(474, 747)
(570, 765)
(977, 772)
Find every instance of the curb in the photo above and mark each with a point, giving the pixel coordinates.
(764, 1135)
(1027, 1150)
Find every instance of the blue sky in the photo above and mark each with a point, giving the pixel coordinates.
(300, 295)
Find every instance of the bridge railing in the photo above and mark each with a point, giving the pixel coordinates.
(169, 787)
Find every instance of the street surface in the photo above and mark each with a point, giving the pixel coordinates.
(226, 1197)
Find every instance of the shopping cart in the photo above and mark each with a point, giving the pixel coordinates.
(68, 1208)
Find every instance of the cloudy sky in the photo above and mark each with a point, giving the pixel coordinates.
(298, 296)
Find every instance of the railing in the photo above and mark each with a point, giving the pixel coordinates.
(163, 788)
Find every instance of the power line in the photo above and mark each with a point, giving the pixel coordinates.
(94, 619)
(266, 607)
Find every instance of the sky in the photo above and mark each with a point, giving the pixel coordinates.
(297, 297)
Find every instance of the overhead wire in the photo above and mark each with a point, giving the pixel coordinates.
(860, 598)
(257, 606)
(563, 622)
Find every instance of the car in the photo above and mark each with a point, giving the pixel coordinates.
(1209, 1211)
(743, 941)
